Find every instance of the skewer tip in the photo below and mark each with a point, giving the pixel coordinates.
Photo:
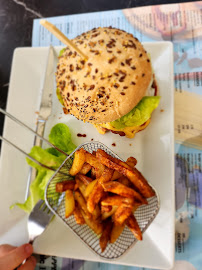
(43, 22)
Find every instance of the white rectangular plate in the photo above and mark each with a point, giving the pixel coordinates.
(153, 148)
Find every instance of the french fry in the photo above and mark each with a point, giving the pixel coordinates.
(105, 205)
(96, 213)
(116, 200)
(105, 215)
(106, 176)
(95, 197)
(78, 215)
(85, 179)
(98, 192)
(122, 213)
(95, 225)
(104, 239)
(131, 161)
(86, 168)
(94, 162)
(116, 175)
(132, 224)
(94, 153)
(146, 189)
(136, 205)
(93, 173)
(89, 188)
(69, 203)
(116, 232)
(106, 208)
(125, 181)
(63, 186)
(133, 174)
(120, 189)
(79, 160)
(82, 203)
(81, 186)
(76, 186)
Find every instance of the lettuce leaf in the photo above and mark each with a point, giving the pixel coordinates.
(36, 190)
(57, 89)
(139, 114)
(61, 52)
(60, 136)
(59, 96)
(45, 157)
(49, 157)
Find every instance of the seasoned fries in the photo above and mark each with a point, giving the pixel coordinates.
(105, 237)
(118, 188)
(131, 161)
(133, 175)
(116, 200)
(105, 194)
(95, 225)
(122, 213)
(81, 186)
(78, 215)
(96, 214)
(116, 232)
(95, 163)
(63, 186)
(116, 175)
(78, 162)
(134, 227)
(105, 215)
(86, 168)
(125, 181)
(84, 178)
(82, 203)
(89, 188)
(95, 197)
(106, 208)
(69, 203)
(106, 176)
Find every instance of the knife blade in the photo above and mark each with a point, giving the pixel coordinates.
(45, 107)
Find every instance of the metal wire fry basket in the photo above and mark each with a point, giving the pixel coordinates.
(145, 214)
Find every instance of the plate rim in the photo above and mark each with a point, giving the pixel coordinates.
(172, 137)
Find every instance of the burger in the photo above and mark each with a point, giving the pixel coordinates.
(115, 88)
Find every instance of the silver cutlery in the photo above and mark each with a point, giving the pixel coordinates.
(41, 138)
(45, 107)
(38, 220)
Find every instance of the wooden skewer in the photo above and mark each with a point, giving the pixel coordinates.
(57, 33)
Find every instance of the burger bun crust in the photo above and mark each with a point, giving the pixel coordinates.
(111, 82)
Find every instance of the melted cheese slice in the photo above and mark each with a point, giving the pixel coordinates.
(129, 131)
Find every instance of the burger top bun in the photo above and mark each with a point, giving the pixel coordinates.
(111, 82)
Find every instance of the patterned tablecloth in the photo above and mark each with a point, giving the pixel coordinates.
(181, 24)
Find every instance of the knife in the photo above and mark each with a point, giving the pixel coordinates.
(46, 100)
(45, 107)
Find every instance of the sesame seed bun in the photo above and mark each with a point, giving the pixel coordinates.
(111, 82)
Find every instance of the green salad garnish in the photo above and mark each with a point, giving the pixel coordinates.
(60, 136)
(139, 114)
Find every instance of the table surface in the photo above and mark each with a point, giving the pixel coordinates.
(16, 19)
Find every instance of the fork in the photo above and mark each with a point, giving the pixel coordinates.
(38, 220)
